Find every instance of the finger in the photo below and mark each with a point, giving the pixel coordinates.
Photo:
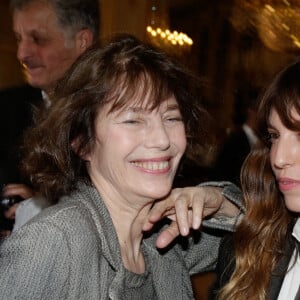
(167, 235)
(147, 226)
(197, 213)
(181, 207)
(13, 186)
(161, 209)
(4, 233)
(18, 190)
(155, 214)
(11, 212)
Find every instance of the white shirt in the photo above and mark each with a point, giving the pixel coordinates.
(46, 99)
(27, 209)
(291, 280)
(251, 136)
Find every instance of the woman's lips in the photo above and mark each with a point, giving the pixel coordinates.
(286, 184)
(153, 165)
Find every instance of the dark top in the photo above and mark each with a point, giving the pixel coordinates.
(16, 109)
(231, 157)
(16, 115)
(226, 264)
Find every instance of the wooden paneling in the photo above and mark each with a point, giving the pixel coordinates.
(10, 70)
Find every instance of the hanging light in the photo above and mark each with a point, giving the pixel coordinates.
(277, 22)
(159, 33)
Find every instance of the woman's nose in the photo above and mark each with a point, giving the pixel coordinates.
(282, 154)
(157, 136)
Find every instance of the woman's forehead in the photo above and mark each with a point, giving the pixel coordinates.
(146, 104)
(289, 117)
(141, 97)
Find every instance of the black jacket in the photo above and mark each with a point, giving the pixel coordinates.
(231, 157)
(16, 115)
(226, 265)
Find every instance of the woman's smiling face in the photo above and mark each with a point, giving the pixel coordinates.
(137, 150)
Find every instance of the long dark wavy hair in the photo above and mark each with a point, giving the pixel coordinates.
(261, 237)
(115, 74)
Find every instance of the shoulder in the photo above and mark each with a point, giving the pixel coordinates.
(60, 232)
(64, 214)
(52, 245)
(63, 223)
(29, 208)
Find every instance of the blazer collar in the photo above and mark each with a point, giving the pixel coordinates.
(162, 264)
(280, 271)
(163, 267)
(91, 199)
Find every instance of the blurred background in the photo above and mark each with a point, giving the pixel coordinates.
(237, 46)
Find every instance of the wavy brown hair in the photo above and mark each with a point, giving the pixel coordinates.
(116, 74)
(261, 237)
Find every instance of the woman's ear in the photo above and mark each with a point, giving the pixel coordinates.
(81, 151)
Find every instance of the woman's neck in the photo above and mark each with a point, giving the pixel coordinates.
(128, 224)
(128, 220)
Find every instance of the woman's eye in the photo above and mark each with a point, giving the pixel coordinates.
(174, 119)
(132, 121)
(272, 136)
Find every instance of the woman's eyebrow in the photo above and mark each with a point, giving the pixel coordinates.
(173, 107)
(270, 126)
(140, 109)
(136, 109)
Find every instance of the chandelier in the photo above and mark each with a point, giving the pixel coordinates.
(277, 22)
(167, 37)
(159, 34)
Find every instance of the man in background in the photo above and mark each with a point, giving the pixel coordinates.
(51, 35)
(241, 138)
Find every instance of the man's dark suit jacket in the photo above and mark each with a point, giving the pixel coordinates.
(16, 115)
(231, 157)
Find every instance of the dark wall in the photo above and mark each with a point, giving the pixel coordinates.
(231, 60)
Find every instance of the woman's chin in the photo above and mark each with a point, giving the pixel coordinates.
(158, 193)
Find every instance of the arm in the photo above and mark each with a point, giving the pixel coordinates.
(15, 190)
(18, 190)
(33, 263)
(23, 211)
(12, 193)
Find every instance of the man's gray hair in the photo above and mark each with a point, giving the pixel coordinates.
(72, 15)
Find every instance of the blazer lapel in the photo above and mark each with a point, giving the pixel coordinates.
(163, 267)
(280, 271)
(90, 197)
(298, 294)
(165, 286)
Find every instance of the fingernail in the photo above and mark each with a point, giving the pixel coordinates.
(185, 231)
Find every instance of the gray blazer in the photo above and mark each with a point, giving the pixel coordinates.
(71, 251)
